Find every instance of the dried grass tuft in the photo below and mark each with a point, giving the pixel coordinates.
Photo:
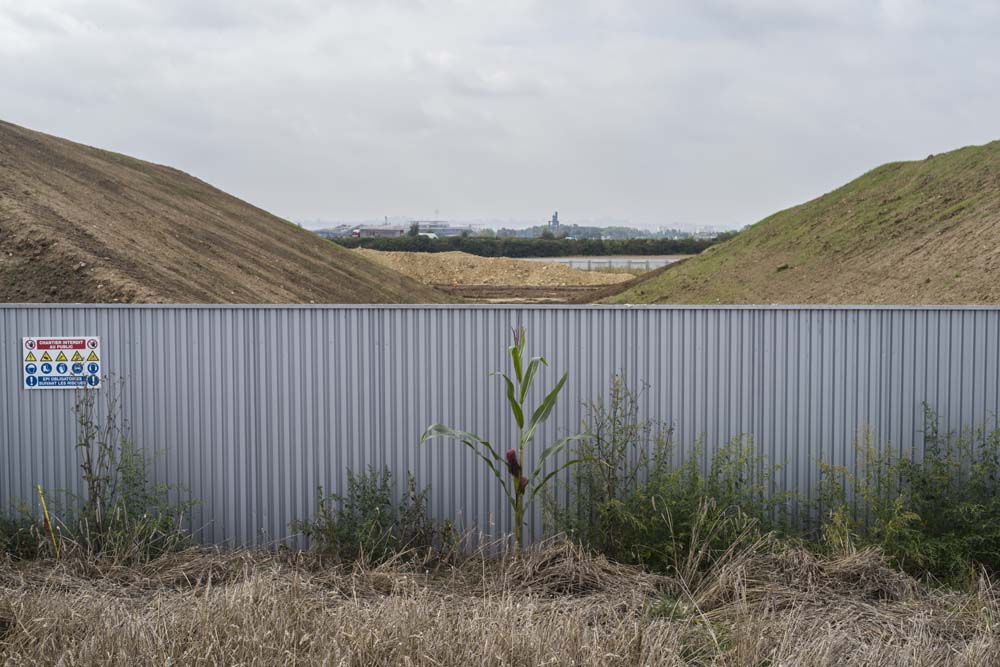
(559, 568)
(553, 604)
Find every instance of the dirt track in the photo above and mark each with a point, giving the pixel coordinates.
(509, 294)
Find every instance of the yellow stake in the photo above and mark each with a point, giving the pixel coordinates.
(48, 523)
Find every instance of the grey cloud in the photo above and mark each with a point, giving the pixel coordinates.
(717, 112)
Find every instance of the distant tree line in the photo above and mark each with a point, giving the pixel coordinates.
(520, 247)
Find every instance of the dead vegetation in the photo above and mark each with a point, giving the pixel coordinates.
(763, 604)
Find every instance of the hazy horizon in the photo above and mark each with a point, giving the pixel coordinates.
(490, 223)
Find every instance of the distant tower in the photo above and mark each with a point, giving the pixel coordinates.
(554, 223)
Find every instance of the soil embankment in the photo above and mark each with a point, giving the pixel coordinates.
(79, 224)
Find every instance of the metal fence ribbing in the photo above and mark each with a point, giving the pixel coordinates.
(254, 407)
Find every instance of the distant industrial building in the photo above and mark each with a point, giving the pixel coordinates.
(377, 231)
(706, 232)
(442, 228)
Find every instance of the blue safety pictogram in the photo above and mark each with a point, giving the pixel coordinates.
(31, 380)
(31, 369)
(46, 368)
(61, 369)
(93, 380)
(93, 368)
(78, 368)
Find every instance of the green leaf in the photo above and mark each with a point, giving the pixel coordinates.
(515, 357)
(545, 480)
(515, 407)
(554, 449)
(543, 410)
(473, 442)
(529, 375)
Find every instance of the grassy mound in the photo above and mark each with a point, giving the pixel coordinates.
(923, 232)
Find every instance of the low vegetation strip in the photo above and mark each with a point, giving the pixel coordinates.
(515, 247)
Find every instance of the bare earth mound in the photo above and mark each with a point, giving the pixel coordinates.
(79, 224)
(459, 268)
(924, 232)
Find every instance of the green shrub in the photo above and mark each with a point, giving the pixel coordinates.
(936, 515)
(367, 525)
(122, 516)
(629, 501)
(19, 536)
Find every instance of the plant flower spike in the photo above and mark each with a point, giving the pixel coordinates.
(523, 490)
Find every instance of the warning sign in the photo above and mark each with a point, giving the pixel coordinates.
(39, 371)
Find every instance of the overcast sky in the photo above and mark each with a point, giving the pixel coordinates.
(709, 112)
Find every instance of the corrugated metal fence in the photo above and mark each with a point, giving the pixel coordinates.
(255, 407)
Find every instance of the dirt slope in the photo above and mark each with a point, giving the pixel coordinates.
(78, 224)
(923, 232)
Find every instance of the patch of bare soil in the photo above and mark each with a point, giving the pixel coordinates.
(78, 224)
(509, 294)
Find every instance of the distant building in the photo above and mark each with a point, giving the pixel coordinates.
(706, 232)
(377, 231)
(554, 224)
(442, 228)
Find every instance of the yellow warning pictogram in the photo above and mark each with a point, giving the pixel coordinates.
(93, 356)
(61, 357)
(77, 356)
(45, 357)
(30, 357)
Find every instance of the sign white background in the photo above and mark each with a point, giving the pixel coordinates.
(61, 362)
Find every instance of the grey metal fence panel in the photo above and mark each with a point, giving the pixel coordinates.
(252, 408)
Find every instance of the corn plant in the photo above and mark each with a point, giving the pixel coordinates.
(524, 487)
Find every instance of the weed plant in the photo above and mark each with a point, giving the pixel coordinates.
(937, 514)
(19, 535)
(122, 515)
(367, 525)
(629, 500)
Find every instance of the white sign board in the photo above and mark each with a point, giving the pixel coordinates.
(61, 363)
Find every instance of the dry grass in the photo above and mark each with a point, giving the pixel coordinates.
(554, 605)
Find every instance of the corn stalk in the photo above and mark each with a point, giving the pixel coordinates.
(524, 488)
